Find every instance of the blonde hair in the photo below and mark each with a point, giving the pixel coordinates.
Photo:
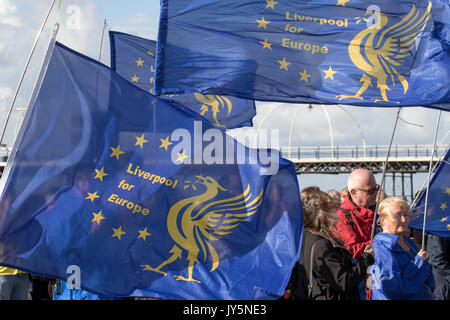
(386, 206)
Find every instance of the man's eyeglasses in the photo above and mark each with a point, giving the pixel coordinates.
(371, 191)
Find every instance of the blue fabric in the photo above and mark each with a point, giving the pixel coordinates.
(144, 198)
(397, 274)
(322, 51)
(438, 222)
(134, 58)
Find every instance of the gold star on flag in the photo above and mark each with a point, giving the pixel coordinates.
(447, 191)
(143, 234)
(284, 64)
(266, 44)
(152, 69)
(152, 79)
(116, 152)
(150, 53)
(100, 174)
(181, 157)
(444, 219)
(118, 232)
(165, 143)
(135, 78)
(305, 76)
(329, 73)
(271, 4)
(92, 196)
(342, 2)
(140, 62)
(97, 217)
(443, 205)
(448, 226)
(262, 23)
(140, 141)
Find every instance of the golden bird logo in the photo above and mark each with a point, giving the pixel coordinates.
(216, 103)
(203, 222)
(380, 59)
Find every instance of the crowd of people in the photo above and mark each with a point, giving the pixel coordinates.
(345, 255)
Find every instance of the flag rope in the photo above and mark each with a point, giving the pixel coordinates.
(57, 12)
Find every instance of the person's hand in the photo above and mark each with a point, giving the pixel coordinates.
(422, 253)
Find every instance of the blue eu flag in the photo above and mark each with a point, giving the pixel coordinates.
(138, 197)
(438, 212)
(392, 53)
(134, 58)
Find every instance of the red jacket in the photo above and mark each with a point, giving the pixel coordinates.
(354, 226)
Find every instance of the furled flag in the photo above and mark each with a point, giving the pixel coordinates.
(383, 53)
(438, 212)
(138, 197)
(134, 58)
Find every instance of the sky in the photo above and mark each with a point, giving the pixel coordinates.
(81, 25)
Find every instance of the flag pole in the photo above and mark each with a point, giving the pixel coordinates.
(105, 24)
(24, 71)
(428, 179)
(30, 108)
(100, 55)
(383, 177)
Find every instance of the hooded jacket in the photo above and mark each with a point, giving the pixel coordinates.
(397, 274)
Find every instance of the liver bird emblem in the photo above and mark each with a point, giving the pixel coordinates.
(216, 103)
(380, 51)
(204, 221)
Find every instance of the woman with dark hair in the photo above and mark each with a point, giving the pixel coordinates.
(329, 267)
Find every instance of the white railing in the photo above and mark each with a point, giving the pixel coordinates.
(360, 152)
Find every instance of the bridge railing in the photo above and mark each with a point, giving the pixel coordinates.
(361, 152)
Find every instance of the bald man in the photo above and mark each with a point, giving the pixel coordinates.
(356, 212)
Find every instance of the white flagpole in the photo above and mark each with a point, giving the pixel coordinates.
(428, 180)
(383, 177)
(105, 24)
(29, 110)
(24, 71)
